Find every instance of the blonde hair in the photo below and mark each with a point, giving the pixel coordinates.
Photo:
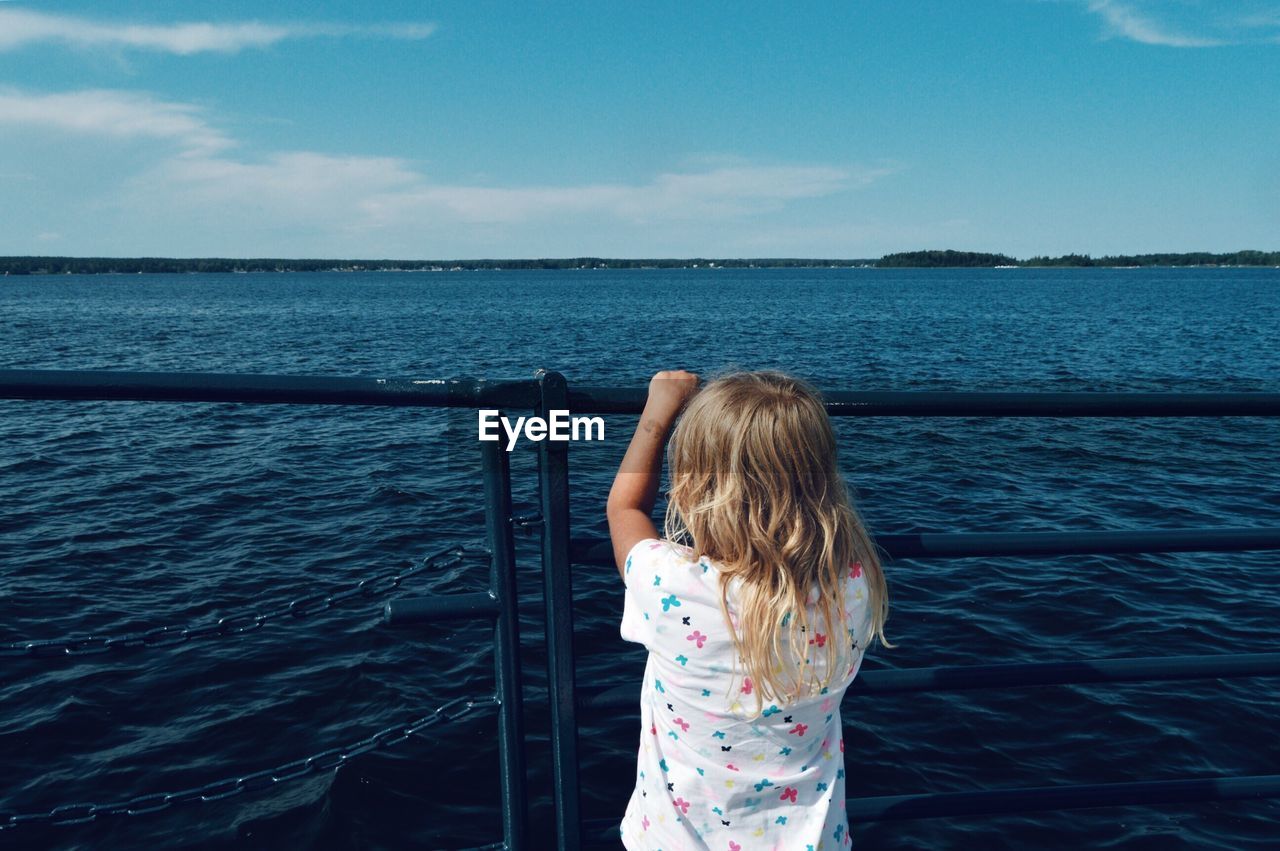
(756, 488)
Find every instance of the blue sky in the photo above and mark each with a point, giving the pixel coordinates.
(475, 129)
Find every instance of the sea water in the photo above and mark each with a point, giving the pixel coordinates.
(119, 516)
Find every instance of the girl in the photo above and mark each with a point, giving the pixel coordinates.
(755, 628)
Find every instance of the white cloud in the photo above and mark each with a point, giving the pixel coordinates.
(1269, 18)
(111, 113)
(1264, 23)
(717, 193)
(1125, 21)
(1197, 23)
(191, 177)
(20, 27)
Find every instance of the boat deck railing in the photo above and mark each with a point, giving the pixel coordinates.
(549, 391)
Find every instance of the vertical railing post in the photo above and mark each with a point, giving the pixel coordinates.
(553, 489)
(506, 643)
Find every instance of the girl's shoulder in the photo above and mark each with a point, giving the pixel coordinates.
(668, 592)
(651, 550)
(660, 563)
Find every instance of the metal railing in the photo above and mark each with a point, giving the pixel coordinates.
(549, 391)
(498, 603)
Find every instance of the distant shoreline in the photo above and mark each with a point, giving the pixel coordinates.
(905, 260)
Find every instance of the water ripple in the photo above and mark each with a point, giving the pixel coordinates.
(122, 516)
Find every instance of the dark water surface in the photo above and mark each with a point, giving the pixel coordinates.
(121, 516)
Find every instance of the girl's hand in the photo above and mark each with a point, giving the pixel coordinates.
(635, 488)
(669, 391)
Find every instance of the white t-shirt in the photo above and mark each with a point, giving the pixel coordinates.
(706, 776)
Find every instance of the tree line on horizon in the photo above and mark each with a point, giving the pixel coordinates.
(133, 265)
(951, 259)
(906, 259)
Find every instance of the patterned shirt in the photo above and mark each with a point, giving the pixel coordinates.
(708, 776)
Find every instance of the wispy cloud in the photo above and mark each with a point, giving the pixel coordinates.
(743, 190)
(1124, 21)
(1199, 24)
(1262, 19)
(198, 173)
(21, 27)
(112, 113)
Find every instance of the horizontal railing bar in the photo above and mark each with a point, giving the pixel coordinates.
(301, 389)
(1003, 801)
(412, 610)
(598, 551)
(267, 389)
(846, 403)
(990, 802)
(1025, 674)
(974, 544)
(1081, 672)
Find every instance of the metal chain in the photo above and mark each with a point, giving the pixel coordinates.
(326, 760)
(233, 624)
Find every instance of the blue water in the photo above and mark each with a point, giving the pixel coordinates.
(119, 516)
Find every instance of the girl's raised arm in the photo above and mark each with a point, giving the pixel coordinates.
(635, 488)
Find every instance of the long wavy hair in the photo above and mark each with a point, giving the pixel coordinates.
(756, 488)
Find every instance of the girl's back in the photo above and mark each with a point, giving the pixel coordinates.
(709, 775)
(756, 629)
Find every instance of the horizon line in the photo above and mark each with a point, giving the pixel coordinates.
(635, 259)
